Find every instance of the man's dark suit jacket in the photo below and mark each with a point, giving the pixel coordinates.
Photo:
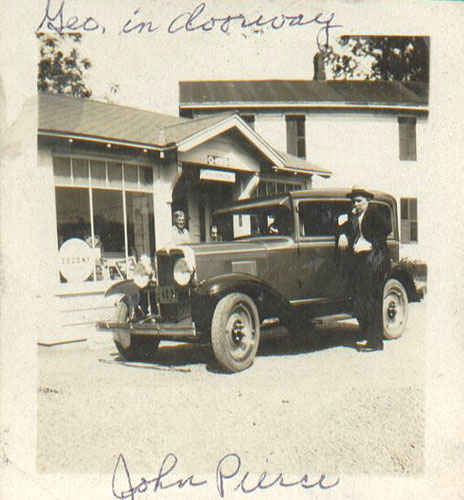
(375, 229)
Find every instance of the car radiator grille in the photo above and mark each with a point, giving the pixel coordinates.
(165, 269)
(174, 301)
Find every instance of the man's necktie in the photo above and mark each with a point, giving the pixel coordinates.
(356, 228)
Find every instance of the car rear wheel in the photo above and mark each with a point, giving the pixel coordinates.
(235, 332)
(395, 309)
(140, 348)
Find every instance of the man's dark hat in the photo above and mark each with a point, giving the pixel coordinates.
(360, 191)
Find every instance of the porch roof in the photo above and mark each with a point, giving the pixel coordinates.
(85, 119)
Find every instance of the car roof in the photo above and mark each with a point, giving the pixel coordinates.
(284, 199)
(338, 193)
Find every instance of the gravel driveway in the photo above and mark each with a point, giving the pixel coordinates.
(313, 406)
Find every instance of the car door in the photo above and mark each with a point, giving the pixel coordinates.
(321, 276)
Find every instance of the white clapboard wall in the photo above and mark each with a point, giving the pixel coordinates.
(77, 315)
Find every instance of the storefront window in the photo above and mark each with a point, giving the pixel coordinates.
(108, 221)
(72, 213)
(268, 187)
(98, 173)
(108, 207)
(115, 175)
(146, 177)
(140, 224)
(62, 170)
(131, 178)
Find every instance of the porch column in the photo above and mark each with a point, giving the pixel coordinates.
(166, 176)
(247, 186)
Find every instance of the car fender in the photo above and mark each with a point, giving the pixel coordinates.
(130, 292)
(270, 302)
(398, 272)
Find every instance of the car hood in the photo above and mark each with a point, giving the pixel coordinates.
(243, 256)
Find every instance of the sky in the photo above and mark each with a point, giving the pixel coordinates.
(148, 73)
(147, 67)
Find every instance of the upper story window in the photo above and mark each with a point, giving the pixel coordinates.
(249, 119)
(296, 135)
(407, 133)
(409, 220)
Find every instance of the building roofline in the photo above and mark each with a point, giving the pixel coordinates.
(185, 139)
(112, 105)
(377, 95)
(103, 140)
(303, 105)
(227, 123)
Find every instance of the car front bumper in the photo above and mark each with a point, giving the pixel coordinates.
(181, 331)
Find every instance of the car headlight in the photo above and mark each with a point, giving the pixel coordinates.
(143, 272)
(183, 272)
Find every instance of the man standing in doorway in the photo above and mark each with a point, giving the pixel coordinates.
(213, 233)
(363, 234)
(179, 233)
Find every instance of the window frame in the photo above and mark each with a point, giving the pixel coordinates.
(299, 226)
(296, 135)
(405, 222)
(265, 182)
(407, 138)
(393, 235)
(91, 187)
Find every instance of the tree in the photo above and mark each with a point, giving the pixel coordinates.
(61, 68)
(398, 58)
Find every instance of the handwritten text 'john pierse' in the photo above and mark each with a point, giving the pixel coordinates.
(195, 20)
(229, 477)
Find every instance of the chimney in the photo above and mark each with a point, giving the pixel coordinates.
(319, 67)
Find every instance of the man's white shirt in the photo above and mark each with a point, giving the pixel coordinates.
(180, 236)
(361, 244)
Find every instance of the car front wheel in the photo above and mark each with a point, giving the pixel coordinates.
(140, 348)
(235, 332)
(395, 309)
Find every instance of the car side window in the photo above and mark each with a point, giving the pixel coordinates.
(320, 218)
(384, 211)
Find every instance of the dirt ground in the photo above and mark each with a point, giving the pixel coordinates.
(313, 406)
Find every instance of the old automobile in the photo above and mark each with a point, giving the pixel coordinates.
(274, 260)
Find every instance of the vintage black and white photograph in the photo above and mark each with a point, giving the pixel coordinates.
(231, 229)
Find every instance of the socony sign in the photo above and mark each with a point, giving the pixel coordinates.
(76, 260)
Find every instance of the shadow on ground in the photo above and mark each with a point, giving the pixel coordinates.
(274, 342)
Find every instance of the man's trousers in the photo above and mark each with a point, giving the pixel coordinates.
(367, 277)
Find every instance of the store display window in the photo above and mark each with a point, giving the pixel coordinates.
(105, 218)
(268, 187)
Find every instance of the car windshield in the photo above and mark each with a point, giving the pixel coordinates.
(254, 222)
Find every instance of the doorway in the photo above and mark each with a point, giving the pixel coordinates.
(199, 199)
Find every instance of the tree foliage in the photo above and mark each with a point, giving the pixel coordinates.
(61, 68)
(398, 58)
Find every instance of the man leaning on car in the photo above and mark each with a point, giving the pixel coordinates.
(363, 236)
